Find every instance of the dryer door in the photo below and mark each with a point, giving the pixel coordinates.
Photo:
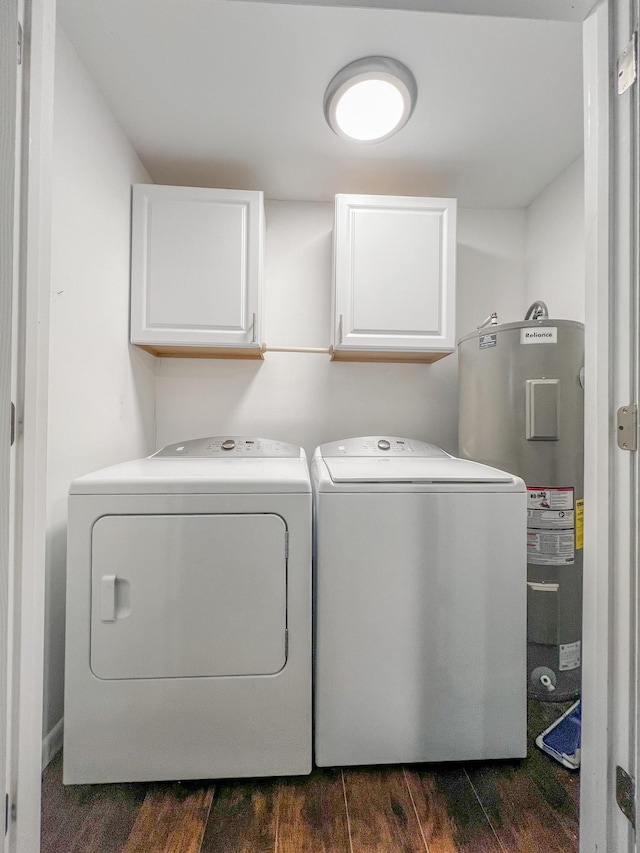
(188, 595)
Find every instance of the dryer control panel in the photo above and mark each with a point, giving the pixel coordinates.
(231, 447)
(374, 445)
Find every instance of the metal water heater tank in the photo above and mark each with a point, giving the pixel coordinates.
(521, 408)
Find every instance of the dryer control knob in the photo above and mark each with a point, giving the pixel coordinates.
(383, 444)
(228, 444)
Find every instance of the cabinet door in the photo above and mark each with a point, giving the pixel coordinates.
(196, 267)
(394, 286)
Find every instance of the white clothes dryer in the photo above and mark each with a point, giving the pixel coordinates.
(188, 637)
(420, 605)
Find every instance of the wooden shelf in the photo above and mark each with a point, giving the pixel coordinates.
(257, 353)
(169, 351)
(389, 356)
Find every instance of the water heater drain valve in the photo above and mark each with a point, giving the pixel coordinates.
(544, 677)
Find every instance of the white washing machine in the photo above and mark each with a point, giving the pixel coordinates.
(420, 605)
(188, 639)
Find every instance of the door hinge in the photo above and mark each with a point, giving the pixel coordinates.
(626, 795)
(19, 43)
(286, 545)
(628, 65)
(13, 424)
(627, 424)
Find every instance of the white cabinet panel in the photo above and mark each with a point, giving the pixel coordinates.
(181, 248)
(394, 278)
(175, 596)
(196, 270)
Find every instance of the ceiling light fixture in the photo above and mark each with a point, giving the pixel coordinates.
(370, 99)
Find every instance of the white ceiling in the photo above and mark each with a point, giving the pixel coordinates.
(229, 94)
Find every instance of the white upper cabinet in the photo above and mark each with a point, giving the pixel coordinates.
(196, 271)
(394, 278)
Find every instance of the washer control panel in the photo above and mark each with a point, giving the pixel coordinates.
(373, 445)
(231, 447)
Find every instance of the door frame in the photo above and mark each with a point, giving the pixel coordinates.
(604, 483)
(34, 163)
(610, 683)
(595, 771)
(8, 89)
(625, 390)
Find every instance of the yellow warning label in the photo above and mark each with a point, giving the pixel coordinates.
(579, 524)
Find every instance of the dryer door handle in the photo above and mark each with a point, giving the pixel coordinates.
(108, 598)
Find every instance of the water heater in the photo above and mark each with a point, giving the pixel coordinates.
(521, 408)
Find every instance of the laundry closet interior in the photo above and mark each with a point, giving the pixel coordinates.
(228, 95)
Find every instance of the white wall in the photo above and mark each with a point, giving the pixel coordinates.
(555, 246)
(101, 390)
(305, 398)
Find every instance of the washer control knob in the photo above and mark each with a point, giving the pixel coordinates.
(383, 444)
(228, 444)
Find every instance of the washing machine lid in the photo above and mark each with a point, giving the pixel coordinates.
(419, 470)
(388, 460)
(218, 465)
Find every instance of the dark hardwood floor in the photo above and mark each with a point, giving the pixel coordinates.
(499, 807)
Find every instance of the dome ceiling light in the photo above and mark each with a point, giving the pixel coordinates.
(370, 99)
